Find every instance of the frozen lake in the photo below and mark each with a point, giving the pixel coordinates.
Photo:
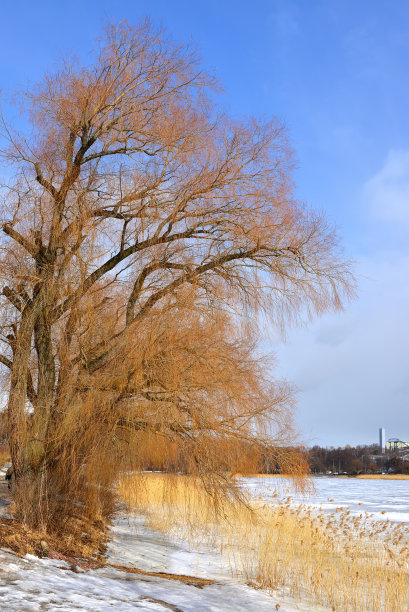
(384, 499)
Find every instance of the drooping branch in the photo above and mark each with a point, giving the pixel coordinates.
(26, 244)
(189, 275)
(43, 182)
(13, 297)
(6, 361)
(116, 259)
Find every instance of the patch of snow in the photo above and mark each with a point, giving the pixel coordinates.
(135, 545)
(30, 583)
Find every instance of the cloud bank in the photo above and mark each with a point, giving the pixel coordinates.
(352, 369)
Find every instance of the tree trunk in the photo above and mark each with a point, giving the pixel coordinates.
(45, 387)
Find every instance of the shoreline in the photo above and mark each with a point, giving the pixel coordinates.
(358, 476)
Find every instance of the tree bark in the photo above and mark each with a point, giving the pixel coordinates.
(45, 385)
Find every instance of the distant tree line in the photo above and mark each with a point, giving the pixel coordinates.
(355, 460)
(247, 457)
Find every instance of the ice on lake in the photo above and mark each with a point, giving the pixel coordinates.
(384, 499)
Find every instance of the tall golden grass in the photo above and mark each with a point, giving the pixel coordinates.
(344, 562)
(384, 476)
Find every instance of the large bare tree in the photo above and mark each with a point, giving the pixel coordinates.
(138, 214)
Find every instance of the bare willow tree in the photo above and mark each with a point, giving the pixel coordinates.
(140, 225)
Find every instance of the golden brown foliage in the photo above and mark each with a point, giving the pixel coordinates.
(142, 233)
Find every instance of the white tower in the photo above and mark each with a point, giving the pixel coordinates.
(382, 440)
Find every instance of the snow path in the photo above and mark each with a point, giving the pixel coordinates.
(30, 583)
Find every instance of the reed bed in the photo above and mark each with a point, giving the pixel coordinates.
(384, 476)
(337, 560)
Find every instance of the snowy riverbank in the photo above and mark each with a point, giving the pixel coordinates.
(30, 583)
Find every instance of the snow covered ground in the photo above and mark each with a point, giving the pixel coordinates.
(30, 583)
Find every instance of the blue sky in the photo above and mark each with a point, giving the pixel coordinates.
(337, 73)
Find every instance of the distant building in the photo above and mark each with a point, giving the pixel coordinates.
(396, 444)
(382, 439)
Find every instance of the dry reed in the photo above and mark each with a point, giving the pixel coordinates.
(338, 560)
(384, 476)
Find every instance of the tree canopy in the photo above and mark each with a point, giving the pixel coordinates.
(142, 231)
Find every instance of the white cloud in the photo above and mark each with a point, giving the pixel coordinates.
(352, 369)
(387, 193)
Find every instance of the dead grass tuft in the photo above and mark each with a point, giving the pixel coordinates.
(84, 541)
(191, 580)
